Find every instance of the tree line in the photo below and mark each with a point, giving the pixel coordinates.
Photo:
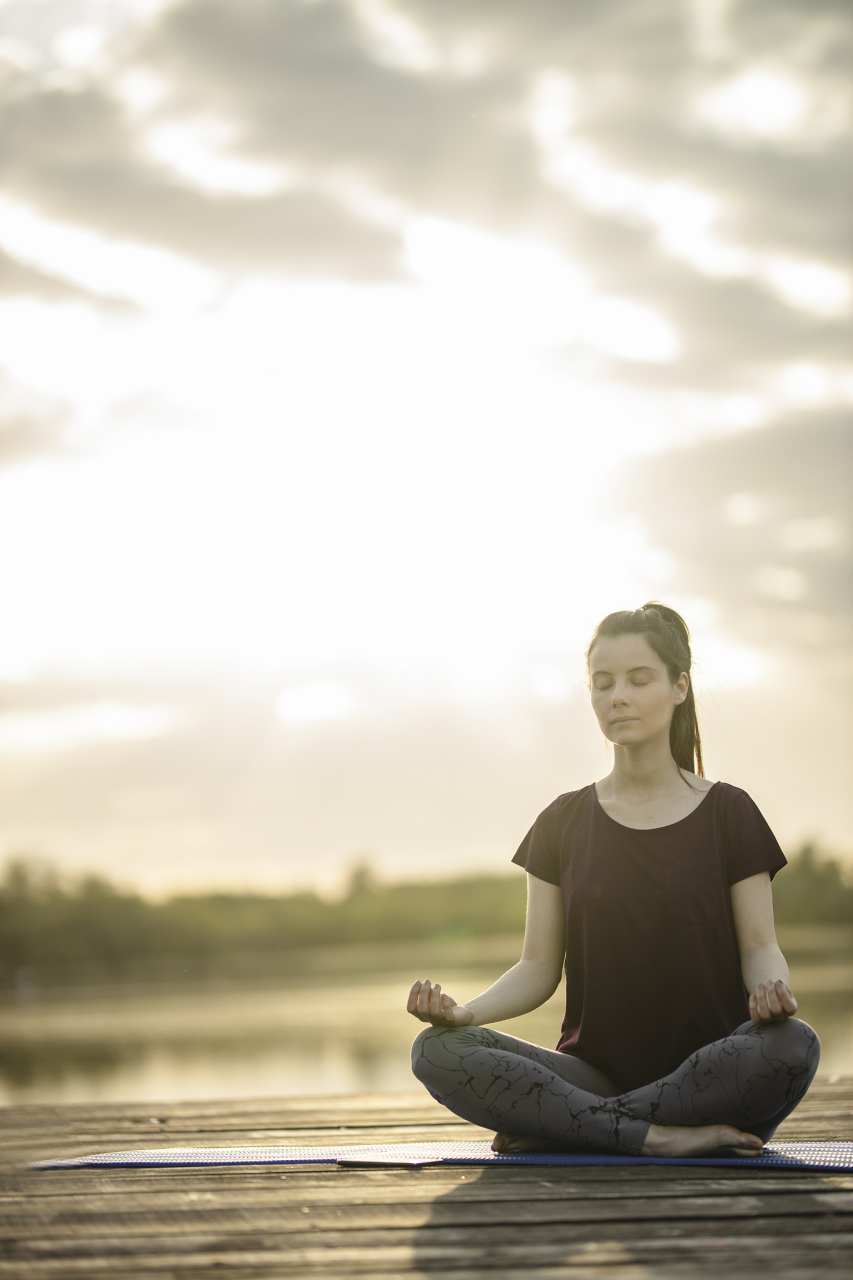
(90, 929)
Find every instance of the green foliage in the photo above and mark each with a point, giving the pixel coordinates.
(812, 890)
(93, 930)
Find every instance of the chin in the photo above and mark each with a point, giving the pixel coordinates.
(628, 735)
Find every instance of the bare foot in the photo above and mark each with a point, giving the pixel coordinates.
(678, 1140)
(513, 1144)
(661, 1140)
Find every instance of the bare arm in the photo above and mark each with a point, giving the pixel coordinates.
(765, 973)
(525, 986)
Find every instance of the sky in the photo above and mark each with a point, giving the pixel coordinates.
(356, 358)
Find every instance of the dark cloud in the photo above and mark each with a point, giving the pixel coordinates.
(306, 88)
(305, 85)
(73, 154)
(747, 517)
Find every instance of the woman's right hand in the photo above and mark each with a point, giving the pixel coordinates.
(429, 1003)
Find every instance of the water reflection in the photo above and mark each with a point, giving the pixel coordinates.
(326, 1035)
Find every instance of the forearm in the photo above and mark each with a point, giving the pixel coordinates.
(764, 964)
(522, 988)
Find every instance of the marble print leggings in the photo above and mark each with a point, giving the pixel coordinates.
(752, 1079)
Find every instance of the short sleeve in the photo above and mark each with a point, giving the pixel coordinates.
(751, 845)
(539, 852)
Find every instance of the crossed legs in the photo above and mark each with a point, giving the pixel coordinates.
(750, 1080)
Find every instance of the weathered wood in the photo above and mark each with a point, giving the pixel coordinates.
(189, 1193)
(377, 1252)
(634, 1223)
(100, 1224)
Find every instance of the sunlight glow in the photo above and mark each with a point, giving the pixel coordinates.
(395, 38)
(289, 512)
(723, 663)
(821, 533)
(630, 331)
(743, 509)
(811, 286)
(807, 383)
(551, 683)
(140, 90)
(80, 47)
(523, 289)
(323, 700)
(758, 103)
(529, 294)
(780, 582)
(197, 151)
(80, 726)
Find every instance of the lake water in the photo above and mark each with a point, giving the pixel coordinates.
(318, 1034)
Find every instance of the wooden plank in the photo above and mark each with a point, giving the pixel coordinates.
(366, 1108)
(600, 1259)
(608, 1266)
(376, 1253)
(472, 1232)
(35, 1229)
(421, 1186)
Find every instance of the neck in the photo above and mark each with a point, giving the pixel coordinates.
(645, 768)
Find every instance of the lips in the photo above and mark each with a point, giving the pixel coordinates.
(625, 720)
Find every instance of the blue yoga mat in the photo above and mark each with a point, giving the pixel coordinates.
(827, 1156)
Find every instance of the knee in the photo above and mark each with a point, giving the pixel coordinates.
(798, 1044)
(419, 1051)
(438, 1049)
(807, 1046)
(424, 1051)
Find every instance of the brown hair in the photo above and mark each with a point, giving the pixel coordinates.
(667, 633)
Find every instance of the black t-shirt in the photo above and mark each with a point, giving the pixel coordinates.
(652, 963)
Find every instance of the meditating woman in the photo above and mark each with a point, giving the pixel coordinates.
(654, 884)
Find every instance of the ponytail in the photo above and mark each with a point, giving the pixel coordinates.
(668, 634)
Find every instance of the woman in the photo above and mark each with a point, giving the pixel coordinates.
(654, 883)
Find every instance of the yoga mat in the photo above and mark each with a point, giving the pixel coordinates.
(827, 1156)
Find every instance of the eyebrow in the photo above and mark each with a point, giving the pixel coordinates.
(630, 671)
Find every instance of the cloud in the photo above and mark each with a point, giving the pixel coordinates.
(73, 154)
(758, 522)
(310, 88)
(31, 423)
(306, 86)
(20, 280)
(308, 137)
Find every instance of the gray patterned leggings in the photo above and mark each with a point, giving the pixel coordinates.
(752, 1079)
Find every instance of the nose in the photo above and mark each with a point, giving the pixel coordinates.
(619, 696)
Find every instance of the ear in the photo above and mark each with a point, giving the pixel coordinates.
(681, 687)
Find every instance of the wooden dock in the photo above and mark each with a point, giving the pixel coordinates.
(318, 1220)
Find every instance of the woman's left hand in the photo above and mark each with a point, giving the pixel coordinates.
(772, 1002)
